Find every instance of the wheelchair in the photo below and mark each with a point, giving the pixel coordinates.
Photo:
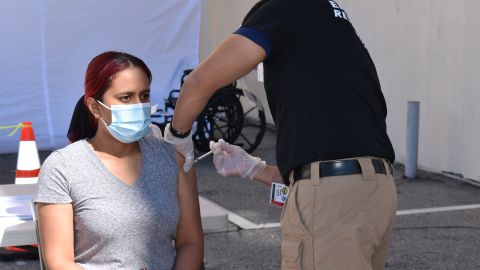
(231, 114)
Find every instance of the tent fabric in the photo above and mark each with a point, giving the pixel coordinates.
(47, 45)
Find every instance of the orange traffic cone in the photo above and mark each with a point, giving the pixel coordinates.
(28, 168)
(28, 162)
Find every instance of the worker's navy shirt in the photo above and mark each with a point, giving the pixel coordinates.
(321, 84)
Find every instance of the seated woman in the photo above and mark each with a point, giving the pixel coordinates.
(115, 198)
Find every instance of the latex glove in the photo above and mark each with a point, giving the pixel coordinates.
(232, 160)
(183, 145)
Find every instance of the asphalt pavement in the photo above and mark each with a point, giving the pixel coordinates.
(438, 238)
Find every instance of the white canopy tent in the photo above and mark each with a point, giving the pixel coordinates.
(47, 44)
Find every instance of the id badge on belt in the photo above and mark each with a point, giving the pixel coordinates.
(278, 194)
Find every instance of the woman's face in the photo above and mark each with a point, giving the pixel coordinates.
(129, 86)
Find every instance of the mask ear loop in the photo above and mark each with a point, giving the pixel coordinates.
(99, 102)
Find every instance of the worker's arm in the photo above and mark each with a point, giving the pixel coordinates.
(235, 57)
(271, 174)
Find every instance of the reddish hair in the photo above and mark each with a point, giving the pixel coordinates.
(100, 73)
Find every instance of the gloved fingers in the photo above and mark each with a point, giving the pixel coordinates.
(221, 171)
(218, 157)
(223, 145)
(166, 130)
(212, 145)
(226, 146)
(188, 163)
(225, 164)
(219, 162)
(232, 160)
(186, 150)
(217, 151)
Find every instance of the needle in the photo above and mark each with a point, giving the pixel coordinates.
(203, 156)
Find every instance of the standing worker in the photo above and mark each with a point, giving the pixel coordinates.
(332, 145)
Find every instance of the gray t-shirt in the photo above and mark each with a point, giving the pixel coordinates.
(116, 226)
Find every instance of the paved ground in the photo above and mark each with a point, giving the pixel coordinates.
(442, 240)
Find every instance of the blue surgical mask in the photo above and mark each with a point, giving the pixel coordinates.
(129, 122)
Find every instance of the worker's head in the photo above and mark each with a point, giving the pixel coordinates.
(112, 78)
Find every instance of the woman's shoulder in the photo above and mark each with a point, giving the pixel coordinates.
(72, 150)
(156, 132)
(54, 181)
(65, 154)
(154, 142)
(154, 136)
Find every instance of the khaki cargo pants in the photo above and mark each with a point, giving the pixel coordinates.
(339, 222)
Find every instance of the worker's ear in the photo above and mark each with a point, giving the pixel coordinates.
(93, 107)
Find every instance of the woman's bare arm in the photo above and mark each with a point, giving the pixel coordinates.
(189, 238)
(55, 224)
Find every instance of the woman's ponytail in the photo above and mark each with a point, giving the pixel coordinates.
(81, 126)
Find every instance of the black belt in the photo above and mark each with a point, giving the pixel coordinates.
(339, 167)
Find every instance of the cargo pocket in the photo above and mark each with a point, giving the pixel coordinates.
(291, 254)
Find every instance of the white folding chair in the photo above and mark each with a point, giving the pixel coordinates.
(40, 255)
(24, 233)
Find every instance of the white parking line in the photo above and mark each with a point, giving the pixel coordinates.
(246, 224)
(437, 209)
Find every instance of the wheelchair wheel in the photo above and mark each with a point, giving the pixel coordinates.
(228, 117)
(254, 125)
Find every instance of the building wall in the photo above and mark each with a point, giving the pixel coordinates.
(219, 19)
(428, 51)
(425, 51)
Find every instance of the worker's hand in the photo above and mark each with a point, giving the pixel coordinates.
(184, 146)
(232, 160)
